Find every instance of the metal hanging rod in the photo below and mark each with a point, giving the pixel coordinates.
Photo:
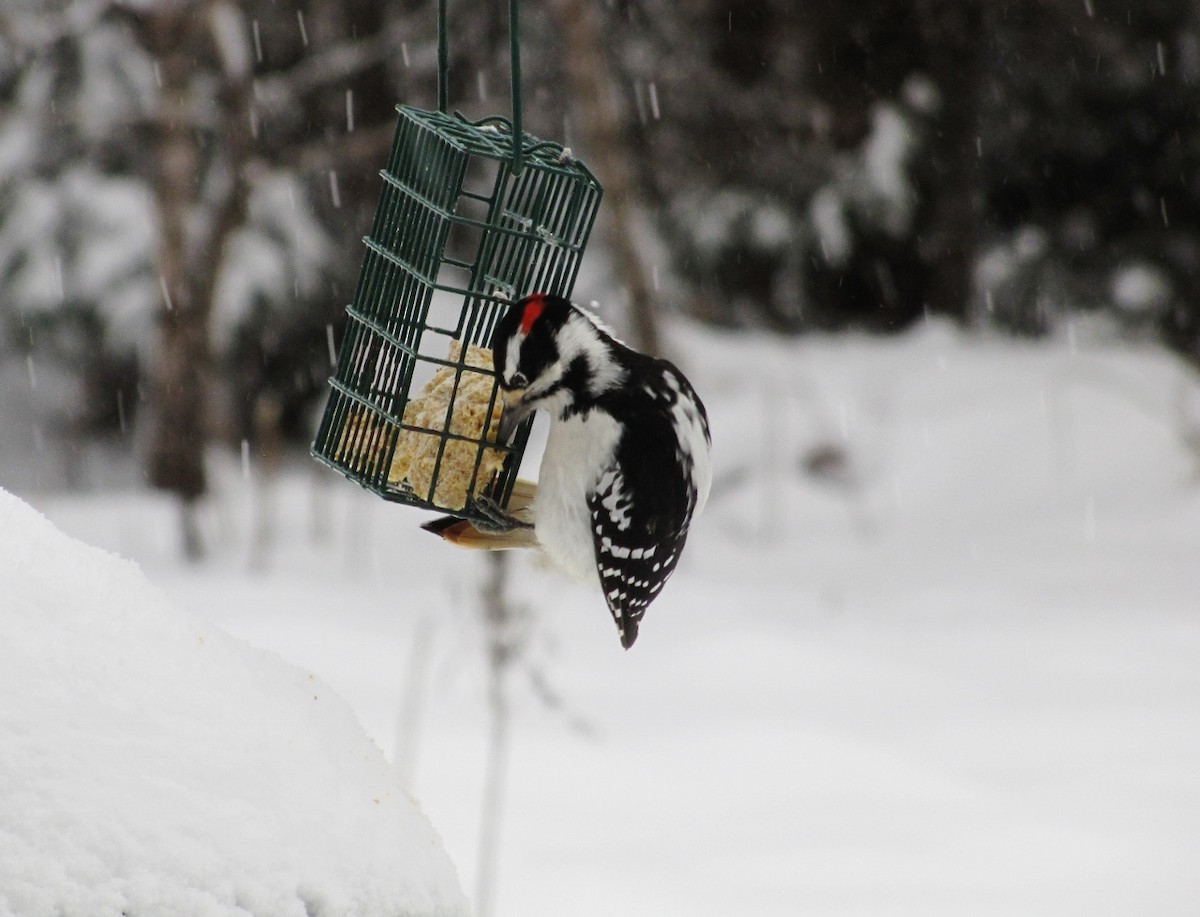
(514, 42)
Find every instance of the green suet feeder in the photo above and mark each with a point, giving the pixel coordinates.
(472, 216)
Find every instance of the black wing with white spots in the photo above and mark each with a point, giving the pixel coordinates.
(643, 503)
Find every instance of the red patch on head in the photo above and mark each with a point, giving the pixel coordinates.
(534, 305)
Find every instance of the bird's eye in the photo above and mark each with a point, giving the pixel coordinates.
(518, 381)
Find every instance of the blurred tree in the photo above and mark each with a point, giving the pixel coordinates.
(806, 166)
(1089, 138)
(203, 60)
(723, 123)
(75, 222)
(827, 165)
(167, 152)
(950, 177)
(606, 144)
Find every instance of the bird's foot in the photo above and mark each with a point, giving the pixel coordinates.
(494, 517)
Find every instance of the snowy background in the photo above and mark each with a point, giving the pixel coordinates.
(933, 648)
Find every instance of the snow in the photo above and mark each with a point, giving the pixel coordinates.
(276, 258)
(957, 673)
(107, 225)
(886, 152)
(721, 217)
(229, 34)
(1140, 288)
(151, 764)
(828, 215)
(870, 184)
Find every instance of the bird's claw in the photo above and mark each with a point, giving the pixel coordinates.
(495, 518)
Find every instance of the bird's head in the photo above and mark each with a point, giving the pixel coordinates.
(550, 355)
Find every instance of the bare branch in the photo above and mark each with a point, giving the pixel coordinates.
(365, 148)
(336, 64)
(30, 34)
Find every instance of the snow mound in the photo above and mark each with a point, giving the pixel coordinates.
(151, 764)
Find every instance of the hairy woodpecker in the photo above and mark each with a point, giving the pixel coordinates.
(626, 466)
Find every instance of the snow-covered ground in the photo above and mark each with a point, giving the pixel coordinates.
(955, 670)
(151, 764)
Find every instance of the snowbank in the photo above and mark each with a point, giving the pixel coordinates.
(151, 764)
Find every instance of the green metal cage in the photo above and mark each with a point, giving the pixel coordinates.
(468, 220)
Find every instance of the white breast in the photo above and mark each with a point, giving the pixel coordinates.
(577, 452)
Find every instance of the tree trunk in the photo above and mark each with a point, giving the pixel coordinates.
(201, 200)
(608, 146)
(176, 459)
(951, 31)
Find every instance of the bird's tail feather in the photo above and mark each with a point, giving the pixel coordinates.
(464, 534)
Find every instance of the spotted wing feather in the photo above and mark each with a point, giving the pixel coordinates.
(644, 501)
(634, 556)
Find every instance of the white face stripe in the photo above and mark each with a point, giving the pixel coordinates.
(538, 389)
(512, 356)
(580, 335)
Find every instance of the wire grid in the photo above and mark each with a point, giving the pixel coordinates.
(456, 238)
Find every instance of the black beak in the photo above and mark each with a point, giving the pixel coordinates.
(513, 412)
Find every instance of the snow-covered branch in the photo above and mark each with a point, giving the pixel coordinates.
(339, 62)
(30, 31)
